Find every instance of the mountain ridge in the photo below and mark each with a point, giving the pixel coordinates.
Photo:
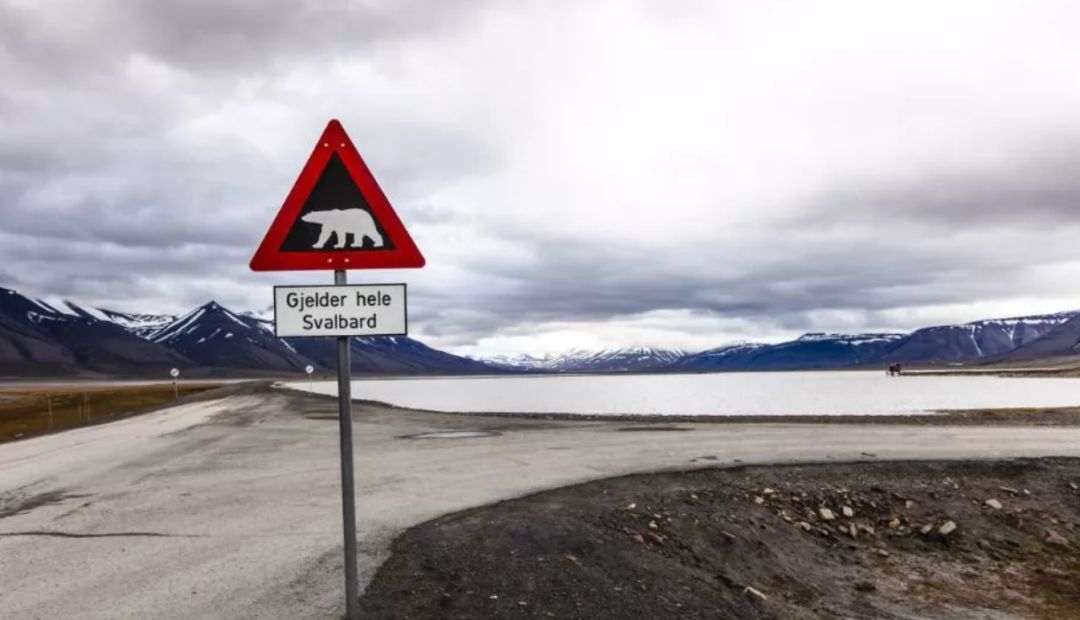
(72, 338)
(982, 341)
(50, 337)
(60, 337)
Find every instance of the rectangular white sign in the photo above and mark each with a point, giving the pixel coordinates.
(346, 310)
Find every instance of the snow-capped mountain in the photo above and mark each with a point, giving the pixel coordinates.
(26, 348)
(215, 337)
(727, 357)
(58, 336)
(637, 359)
(522, 361)
(813, 350)
(977, 340)
(986, 340)
(1063, 340)
(141, 325)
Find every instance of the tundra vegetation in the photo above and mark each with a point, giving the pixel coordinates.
(27, 411)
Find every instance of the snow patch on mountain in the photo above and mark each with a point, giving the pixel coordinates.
(604, 360)
(853, 339)
(184, 324)
(142, 325)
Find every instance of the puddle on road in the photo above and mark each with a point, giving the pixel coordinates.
(451, 435)
(639, 429)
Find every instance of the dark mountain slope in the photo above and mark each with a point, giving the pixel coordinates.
(811, 351)
(390, 355)
(41, 335)
(104, 346)
(27, 351)
(1062, 341)
(974, 341)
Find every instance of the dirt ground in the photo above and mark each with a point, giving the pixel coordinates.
(868, 540)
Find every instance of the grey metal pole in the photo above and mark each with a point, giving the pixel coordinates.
(348, 491)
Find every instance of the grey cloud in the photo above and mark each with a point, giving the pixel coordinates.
(211, 36)
(1034, 187)
(786, 284)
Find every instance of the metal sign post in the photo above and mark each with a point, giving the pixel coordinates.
(337, 218)
(348, 489)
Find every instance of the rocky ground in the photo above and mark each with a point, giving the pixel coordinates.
(881, 540)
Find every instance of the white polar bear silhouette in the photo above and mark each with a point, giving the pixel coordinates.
(344, 222)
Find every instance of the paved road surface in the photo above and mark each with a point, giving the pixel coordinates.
(230, 508)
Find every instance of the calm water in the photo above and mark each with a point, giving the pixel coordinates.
(777, 393)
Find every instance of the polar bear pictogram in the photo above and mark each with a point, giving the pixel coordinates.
(344, 222)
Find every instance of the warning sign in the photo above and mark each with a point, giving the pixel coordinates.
(336, 217)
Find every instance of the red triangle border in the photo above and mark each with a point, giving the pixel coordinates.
(268, 256)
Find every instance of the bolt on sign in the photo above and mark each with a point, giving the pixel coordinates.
(337, 218)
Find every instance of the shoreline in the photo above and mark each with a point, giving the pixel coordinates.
(1034, 416)
(1049, 416)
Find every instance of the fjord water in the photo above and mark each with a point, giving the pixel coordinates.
(749, 393)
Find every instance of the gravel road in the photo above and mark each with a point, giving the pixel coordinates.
(230, 508)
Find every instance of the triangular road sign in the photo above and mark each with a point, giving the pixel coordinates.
(336, 217)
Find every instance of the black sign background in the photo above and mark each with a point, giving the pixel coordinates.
(335, 189)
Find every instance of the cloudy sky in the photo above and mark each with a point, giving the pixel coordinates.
(578, 173)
